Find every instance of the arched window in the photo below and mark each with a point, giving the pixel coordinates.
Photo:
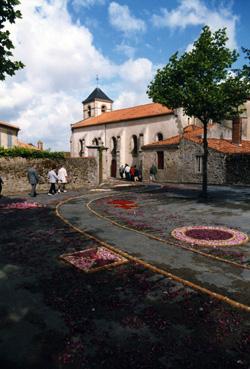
(95, 142)
(104, 108)
(159, 136)
(134, 145)
(113, 146)
(82, 147)
(89, 111)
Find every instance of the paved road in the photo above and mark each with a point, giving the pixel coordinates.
(216, 276)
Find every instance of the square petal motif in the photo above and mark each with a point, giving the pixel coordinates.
(94, 259)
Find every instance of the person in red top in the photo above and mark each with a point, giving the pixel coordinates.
(132, 173)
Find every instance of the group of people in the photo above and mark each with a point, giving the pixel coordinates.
(130, 173)
(57, 180)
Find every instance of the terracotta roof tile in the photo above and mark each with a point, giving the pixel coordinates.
(194, 134)
(175, 140)
(8, 125)
(26, 145)
(136, 112)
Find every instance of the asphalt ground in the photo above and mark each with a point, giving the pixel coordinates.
(53, 316)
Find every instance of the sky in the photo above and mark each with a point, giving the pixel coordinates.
(65, 44)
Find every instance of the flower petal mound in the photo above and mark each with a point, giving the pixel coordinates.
(94, 259)
(123, 204)
(210, 236)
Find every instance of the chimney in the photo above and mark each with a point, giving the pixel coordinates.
(236, 130)
(40, 145)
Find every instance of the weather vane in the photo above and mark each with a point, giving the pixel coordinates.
(97, 80)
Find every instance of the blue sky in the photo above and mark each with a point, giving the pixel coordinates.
(66, 43)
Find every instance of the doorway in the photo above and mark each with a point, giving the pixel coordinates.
(113, 168)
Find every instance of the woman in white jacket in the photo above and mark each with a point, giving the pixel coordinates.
(53, 178)
(62, 179)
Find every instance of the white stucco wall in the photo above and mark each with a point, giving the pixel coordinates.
(96, 108)
(167, 125)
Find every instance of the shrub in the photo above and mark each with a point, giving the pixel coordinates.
(30, 153)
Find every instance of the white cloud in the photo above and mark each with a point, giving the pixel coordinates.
(194, 13)
(121, 19)
(61, 64)
(135, 75)
(127, 50)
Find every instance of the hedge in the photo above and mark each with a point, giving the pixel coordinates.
(30, 153)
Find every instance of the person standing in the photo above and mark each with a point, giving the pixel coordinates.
(132, 173)
(53, 178)
(1, 186)
(62, 179)
(127, 172)
(152, 172)
(121, 170)
(33, 179)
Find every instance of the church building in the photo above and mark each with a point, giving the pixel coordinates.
(147, 134)
(122, 132)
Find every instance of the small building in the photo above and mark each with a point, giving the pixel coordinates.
(8, 135)
(179, 158)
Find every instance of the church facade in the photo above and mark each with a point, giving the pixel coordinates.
(122, 132)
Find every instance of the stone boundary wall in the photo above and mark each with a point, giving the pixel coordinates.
(81, 171)
(238, 169)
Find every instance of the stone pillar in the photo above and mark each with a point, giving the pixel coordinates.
(236, 130)
(40, 145)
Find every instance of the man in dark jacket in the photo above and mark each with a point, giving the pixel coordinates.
(33, 180)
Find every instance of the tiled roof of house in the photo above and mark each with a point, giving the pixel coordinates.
(26, 145)
(97, 94)
(136, 112)
(175, 140)
(194, 134)
(5, 124)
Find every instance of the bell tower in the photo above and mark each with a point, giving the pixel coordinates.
(96, 103)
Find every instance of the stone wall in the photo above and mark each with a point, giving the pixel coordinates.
(238, 169)
(81, 171)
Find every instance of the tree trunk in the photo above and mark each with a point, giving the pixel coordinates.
(204, 162)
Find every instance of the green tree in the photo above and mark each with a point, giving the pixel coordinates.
(200, 82)
(8, 14)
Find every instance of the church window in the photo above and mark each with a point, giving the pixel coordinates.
(89, 111)
(159, 136)
(82, 148)
(198, 163)
(104, 108)
(114, 146)
(95, 142)
(134, 145)
(160, 159)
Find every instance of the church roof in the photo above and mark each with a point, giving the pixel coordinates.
(121, 115)
(194, 133)
(97, 94)
(5, 124)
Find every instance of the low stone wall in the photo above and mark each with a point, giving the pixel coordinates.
(81, 171)
(238, 169)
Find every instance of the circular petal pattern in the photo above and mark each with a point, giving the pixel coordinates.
(210, 236)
